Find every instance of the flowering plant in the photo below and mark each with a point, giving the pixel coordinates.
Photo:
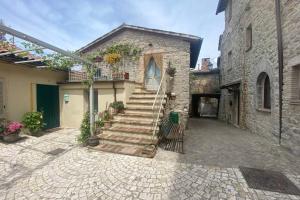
(13, 127)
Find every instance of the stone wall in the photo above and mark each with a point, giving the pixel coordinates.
(173, 50)
(247, 64)
(291, 51)
(204, 82)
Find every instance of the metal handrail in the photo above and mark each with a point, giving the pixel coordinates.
(160, 89)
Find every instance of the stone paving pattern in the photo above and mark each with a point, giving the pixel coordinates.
(28, 172)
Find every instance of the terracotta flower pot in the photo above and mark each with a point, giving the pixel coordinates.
(13, 137)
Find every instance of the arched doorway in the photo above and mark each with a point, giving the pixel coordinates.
(152, 75)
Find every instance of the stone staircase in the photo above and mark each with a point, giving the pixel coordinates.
(131, 132)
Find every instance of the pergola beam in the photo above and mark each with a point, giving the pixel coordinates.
(19, 51)
(38, 42)
(29, 61)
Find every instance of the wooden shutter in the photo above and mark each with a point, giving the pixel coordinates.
(1, 98)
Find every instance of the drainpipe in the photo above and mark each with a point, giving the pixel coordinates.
(280, 62)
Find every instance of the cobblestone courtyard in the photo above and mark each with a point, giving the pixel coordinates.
(28, 171)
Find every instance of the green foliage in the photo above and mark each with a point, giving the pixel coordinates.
(84, 129)
(106, 115)
(99, 123)
(126, 50)
(2, 128)
(33, 121)
(118, 105)
(58, 61)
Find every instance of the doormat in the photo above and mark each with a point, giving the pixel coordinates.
(269, 180)
(56, 151)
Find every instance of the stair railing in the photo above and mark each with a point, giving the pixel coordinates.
(158, 104)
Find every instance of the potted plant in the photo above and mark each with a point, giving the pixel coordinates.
(105, 116)
(12, 131)
(171, 71)
(117, 106)
(33, 123)
(98, 125)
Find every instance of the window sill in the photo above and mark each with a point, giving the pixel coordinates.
(265, 110)
(295, 102)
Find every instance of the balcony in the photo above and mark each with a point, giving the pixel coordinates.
(79, 76)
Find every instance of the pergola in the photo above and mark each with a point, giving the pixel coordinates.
(38, 62)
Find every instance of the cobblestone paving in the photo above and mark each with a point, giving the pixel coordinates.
(27, 171)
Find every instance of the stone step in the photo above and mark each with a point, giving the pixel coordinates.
(143, 131)
(133, 126)
(147, 152)
(139, 113)
(126, 140)
(145, 92)
(139, 107)
(129, 116)
(143, 102)
(142, 122)
(129, 134)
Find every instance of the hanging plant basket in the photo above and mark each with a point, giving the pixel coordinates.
(171, 71)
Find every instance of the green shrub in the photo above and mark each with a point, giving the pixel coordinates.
(99, 123)
(84, 129)
(118, 105)
(33, 121)
(106, 115)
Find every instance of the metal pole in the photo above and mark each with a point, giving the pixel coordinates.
(92, 120)
(280, 63)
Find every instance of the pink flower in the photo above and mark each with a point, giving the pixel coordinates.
(13, 127)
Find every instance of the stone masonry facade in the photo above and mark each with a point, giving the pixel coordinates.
(243, 65)
(173, 50)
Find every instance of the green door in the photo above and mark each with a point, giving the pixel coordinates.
(47, 98)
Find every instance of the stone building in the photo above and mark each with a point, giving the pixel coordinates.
(205, 90)
(260, 54)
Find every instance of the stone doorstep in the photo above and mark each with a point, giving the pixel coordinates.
(126, 150)
(127, 139)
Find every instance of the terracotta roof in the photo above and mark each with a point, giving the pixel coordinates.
(195, 41)
(221, 6)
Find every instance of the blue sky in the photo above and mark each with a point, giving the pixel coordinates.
(70, 24)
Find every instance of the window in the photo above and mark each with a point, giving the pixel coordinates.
(229, 60)
(267, 93)
(263, 91)
(229, 7)
(296, 83)
(249, 37)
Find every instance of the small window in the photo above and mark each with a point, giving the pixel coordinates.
(229, 59)
(229, 10)
(296, 83)
(249, 37)
(263, 91)
(267, 93)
